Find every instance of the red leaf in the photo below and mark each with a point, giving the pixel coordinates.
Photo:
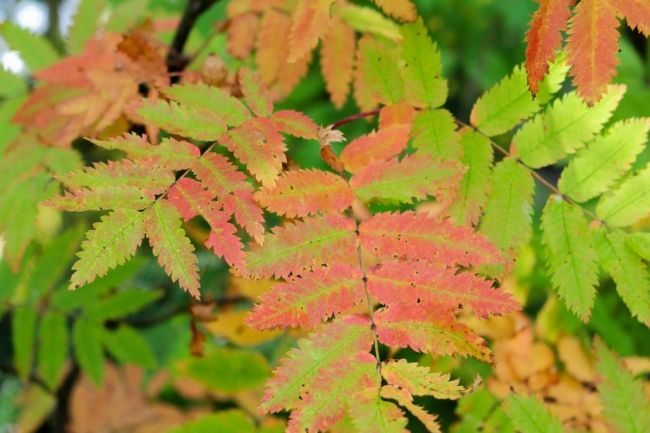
(636, 13)
(308, 300)
(407, 282)
(376, 146)
(296, 124)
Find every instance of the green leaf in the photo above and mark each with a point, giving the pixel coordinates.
(229, 421)
(103, 198)
(126, 14)
(473, 191)
(11, 85)
(507, 218)
(53, 347)
(564, 127)
(228, 370)
(379, 68)
(200, 96)
(629, 202)
(422, 67)
(434, 132)
(121, 304)
(36, 51)
(184, 121)
(571, 255)
(129, 347)
(640, 244)
(628, 271)
(554, 78)
(481, 411)
(624, 401)
(23, 327)
(605, 160)
(110, 243)
(506, 104)
(366, 20)
(84, 24)
(171, 245)
(86, 341)
(529, 415)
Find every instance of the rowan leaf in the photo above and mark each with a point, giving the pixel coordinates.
(426, 328)
(596, 167)
(11, 86)
(247, 212)
(183, 120)
(224, 241)
(628, 202)
(367, 20)
(128, 346)
(403, 10)
(564, 127)
(420, 237)
(306, 301)
(201, 97)
(424, 85)
(303, 192)
(640, 244)
(403, 398)
(434, 132)
(571, 256)
(102, 198)
(110, 243)
(473, 190)
(86, 342)
(371, 414)
(420, 381)
(272, 50)
(171, 246)
(628, 271)
(124, 173)
(23, 337)
(592, 47)
(529, 415)
(327, 400)
(257, 143)
(255, 96)
(625, 404)
(295, 123)
(504, 105)
(242, 33)
(53, 347)
(36, 51)
(414, 177)
(170, 153)
(224, 421)
(507, 221)
(552, 82)
(636, 13)
(218, 175)
(315, 357)
(303, 245)
(410, 283)
(545, 37)
(378, 71)
(84, 24)
(376, 146)
(337, 60)
(310, 22)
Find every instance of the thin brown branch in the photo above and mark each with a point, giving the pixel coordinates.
(354, 117)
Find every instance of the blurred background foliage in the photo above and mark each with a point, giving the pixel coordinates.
(118, 355)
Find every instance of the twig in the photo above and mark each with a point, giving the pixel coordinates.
(354, 117)
(195, 8)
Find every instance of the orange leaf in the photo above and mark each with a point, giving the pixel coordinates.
(241, 35)
(310, 22)
(636, 13)
(403, 10)
(593, 47)
(337, 60)
(544, 37)
(272, 47)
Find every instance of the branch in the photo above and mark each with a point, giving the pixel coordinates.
(176, 61)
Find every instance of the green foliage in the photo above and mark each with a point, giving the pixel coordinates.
(623, 399)
(529, 415)
(571, 256)
(84, 24)
(232, 421)
(37, 52)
